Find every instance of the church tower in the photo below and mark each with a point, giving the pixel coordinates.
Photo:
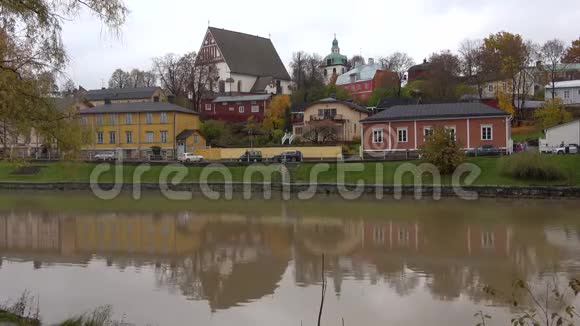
(335, 64)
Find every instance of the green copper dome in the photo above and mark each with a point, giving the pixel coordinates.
(335, 58)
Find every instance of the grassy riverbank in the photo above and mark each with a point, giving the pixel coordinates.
(490, 168)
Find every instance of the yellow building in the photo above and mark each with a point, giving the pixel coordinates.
(139, 128)
(125, 95)
(331, 120)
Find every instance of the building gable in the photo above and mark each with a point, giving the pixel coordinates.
(210, 53)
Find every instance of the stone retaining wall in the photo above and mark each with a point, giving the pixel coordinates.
(257, 189)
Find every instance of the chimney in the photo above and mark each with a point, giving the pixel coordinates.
(103, 88)
(171, 99)
(424, 61)
(371, 61)
(108, 101)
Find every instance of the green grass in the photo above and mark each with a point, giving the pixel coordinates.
(491, 173)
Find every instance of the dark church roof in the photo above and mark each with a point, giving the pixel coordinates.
(389, 102)
(121, 93)
(436, 111)
(249, 54)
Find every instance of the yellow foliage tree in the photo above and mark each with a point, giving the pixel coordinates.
(505, 103)
(552, 113)
(274, 116)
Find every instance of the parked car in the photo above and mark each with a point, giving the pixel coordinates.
(485, 150)
(189, 157)
(106, 156)
(570, 149)
(251, 156)
(288, 156)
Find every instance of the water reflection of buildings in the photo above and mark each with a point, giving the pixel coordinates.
(231, 260)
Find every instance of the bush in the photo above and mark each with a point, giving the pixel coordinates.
(532, 166)
(441, 150)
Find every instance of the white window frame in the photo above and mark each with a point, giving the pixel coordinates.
(482, 128)
(129, 137)
(454, 128)
(163, 136)
(99, 119)
(381, 132)
(255, 108)
(566, 94)
(232, 109)
(149, 140)
(112, 119)
(208, 107)
(425, 129)
(406, 130)
(84, 120)
(100, 137)
(163, 117)
(241, 109)
(128, 119)
(149, 118)
(112, 137)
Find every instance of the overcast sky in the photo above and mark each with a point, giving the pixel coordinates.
(371, 27)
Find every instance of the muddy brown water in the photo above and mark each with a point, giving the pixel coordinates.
(259, 262)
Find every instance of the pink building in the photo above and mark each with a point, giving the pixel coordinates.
(404, 128)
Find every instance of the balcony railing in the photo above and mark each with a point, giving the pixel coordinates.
(336, 117)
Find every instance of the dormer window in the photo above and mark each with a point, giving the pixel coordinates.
(328, 62)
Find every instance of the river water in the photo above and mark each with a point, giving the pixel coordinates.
(260, 262)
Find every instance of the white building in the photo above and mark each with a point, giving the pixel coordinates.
(246, 63)
(335, 64)
(567, 133)
(567, 91)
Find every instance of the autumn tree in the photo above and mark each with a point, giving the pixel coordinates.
(572, 54)
(120, 79)
(552, 52)
(399, 63)
(507, 54)
(274, 122)
(442, 150)
(442, 79)
(31, 48)
(552, 113)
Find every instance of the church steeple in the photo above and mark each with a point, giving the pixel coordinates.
(335, 48)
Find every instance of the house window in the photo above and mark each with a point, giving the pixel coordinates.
(427, 132)
(490, 88)
(255, 109)
(402, 134)
(163, 136)
(195, 139)
(486, 132)
(163, 117)
(579, 92)
(299, 130)
(224, 103)
(112, 118)
(112, 137)
(128, 118)
(241, 109)
(566, 94)
(366, 86)
(100, 137)
(99, 119)
(129, 137)
(239, 86)
(84, 121)
(149, 118)
(452, 132)
(325, 73)
(149, 136)
(222, 86)
(231, 109)
(378, 136)
(208, 107)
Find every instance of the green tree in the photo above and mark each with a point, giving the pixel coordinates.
(442, 150)
(552, 113)
(213, 131)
